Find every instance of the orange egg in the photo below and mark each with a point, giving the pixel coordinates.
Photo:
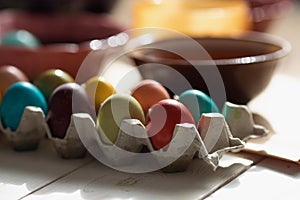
(8, 76)
(149, 92)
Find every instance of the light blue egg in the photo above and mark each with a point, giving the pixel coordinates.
(20, 38)
(15, 99)
(198, 103)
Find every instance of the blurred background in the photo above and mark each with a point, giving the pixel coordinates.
(82, 21)
(139, 13)
(59, 5)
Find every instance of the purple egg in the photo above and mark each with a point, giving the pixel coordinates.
(67, 99)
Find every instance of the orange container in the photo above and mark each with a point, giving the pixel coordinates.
(194, 17)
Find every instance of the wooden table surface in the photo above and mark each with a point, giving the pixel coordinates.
(42, 174)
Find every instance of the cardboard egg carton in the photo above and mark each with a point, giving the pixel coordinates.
(215, 135)
(240, 121)
(33, 128)
(29, 132)
(187, 143)
(70, 146)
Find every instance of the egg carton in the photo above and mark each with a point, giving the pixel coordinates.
(69, 147)
(185, 146)
(29, 132)
(33, 128)
(232, 128)
(240, 121)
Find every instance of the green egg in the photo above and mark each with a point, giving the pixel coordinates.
(198, 103)
(20, 38)
(114, 110)
(49, 80)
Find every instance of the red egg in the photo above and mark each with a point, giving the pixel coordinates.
(162, 119)
(148, 93)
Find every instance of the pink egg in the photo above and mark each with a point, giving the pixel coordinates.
(8, 76)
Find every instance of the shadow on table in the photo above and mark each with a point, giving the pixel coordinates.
(96, 181)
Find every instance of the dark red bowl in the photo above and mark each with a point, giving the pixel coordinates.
(65, 39)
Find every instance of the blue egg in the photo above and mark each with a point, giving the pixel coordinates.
(20, 38)
(15, 99)
(198, 103)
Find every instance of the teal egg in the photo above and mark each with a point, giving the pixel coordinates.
(20, 38)
(15, 99)
(198, 103)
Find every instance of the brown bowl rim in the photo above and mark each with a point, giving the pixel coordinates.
(251, 36)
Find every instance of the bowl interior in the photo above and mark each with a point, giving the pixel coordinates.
(221, 50)
(246, 63)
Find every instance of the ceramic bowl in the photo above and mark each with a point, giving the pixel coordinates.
(65, 39)
(245, 63)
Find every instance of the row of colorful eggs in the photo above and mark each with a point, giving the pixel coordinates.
(59, 97)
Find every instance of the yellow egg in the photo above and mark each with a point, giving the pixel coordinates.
(98, 90)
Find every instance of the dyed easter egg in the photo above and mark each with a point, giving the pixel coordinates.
(49, 80)
(114, 110)
(98, 90)
(17, 97)
(162, 119)
(20, 38)
(8, 76)
(148, 93)
(198, 103)
(67, 99)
